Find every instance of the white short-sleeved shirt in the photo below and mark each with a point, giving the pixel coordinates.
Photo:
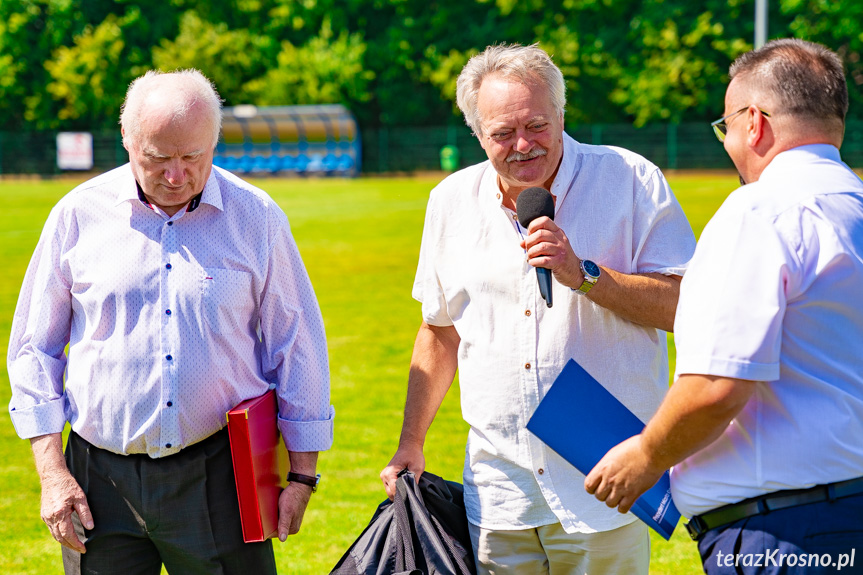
(774, 294)
(170, 321)
(617, 210)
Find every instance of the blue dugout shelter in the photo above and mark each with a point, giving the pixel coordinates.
(319, 140)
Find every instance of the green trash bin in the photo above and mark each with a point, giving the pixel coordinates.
(449, 158)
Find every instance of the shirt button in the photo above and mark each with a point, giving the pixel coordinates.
(167, 266)
(170, 403)
(168, 445)
(527, 312)
(541, 470)
(167, 312)
(169, 357)
(527, 366)
(170, 223)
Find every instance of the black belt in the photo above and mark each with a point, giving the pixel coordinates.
(763, 504)
(218, 435)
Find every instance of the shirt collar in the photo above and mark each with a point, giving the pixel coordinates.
(561, 184)
(128, 187)
(211, 194)
(800, 155)
(565, 173)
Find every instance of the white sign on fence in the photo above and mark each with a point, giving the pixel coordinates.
(75, 151)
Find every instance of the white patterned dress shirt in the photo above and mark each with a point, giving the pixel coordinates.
(169, 321)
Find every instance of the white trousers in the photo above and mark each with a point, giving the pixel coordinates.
(549, 550)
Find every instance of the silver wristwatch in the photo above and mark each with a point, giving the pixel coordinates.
(591, 273)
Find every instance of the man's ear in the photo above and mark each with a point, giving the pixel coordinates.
(756, 127)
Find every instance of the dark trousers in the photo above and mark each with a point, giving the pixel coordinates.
(180, 510)
(815, 539)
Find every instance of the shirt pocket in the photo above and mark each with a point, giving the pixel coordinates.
(227, 300)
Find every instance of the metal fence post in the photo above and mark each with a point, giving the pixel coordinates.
(596, 134)
(383, 149)
(451, 134)
(672, 146)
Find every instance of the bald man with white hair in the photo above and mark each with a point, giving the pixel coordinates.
(179, 292)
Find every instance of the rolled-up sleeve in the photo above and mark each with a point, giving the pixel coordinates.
(36, 358)
(294, 347)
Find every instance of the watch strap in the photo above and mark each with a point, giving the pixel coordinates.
(310, 480)
(585, 286)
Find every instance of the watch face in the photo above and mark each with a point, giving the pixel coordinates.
(591, 268)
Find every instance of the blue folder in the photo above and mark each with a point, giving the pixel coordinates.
(580, 420)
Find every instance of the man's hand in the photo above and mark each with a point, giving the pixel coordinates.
(693, 414)
(548, 247)
(61, 494)
(648, 299)
(433, 366)
(623, 475)
(292, 506)
(406, 457)
(295, 497)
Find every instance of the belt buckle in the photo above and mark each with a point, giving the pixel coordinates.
(696, 527)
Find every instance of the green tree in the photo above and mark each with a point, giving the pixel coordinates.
(413, 48)
(675, 71)
(326, 69)
(88, 79)
(230, 58)
(66, 63)
(60, 67)
(836, 25)
(30, 30)
(638, 61)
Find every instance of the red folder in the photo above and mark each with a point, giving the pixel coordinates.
(260, 464)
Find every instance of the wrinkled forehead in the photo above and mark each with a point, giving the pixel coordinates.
(504, 95)
(498, 83)
(163, 122)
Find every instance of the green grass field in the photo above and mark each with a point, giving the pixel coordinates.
(360, 239)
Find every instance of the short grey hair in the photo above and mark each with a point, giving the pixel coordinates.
(195, 88)
(804, 79)
(530, 65)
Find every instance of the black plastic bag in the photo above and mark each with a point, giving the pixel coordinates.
(423, 532)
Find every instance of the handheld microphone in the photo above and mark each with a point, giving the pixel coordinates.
(533, 203)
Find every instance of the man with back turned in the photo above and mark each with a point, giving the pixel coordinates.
(180, 292)
(617, 247)
(764, 422)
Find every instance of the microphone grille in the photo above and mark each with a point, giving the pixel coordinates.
(533, 203)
